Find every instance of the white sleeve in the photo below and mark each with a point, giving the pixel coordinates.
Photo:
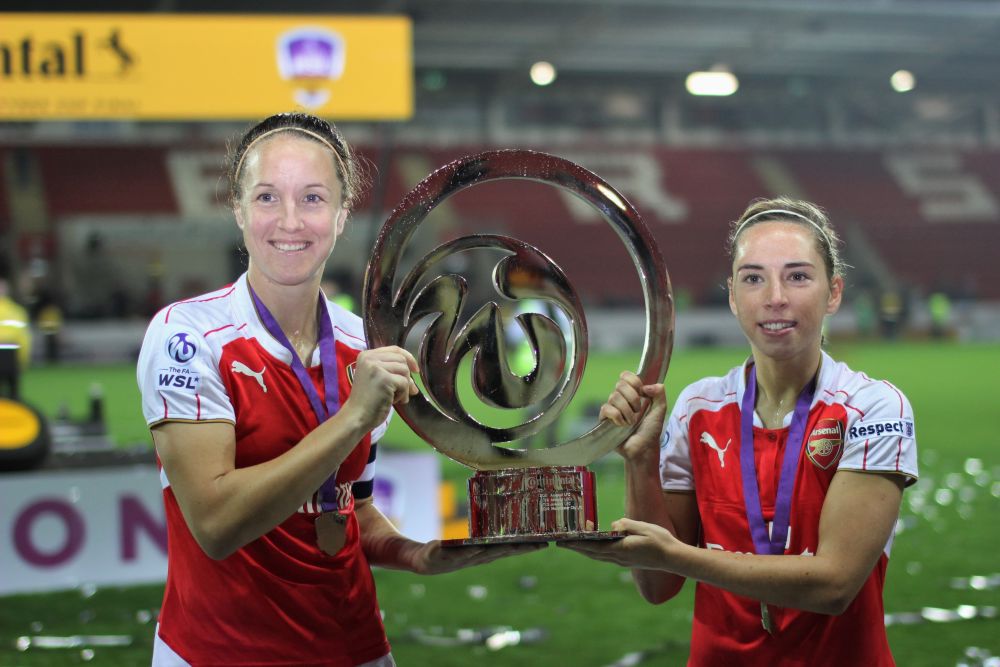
(380, 430)
(178, 375)
(676, 472)
(880, 435)
(349, 329)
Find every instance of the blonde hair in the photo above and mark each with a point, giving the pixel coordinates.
(310, 127)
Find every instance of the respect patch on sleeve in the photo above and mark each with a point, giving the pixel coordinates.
(862, 430)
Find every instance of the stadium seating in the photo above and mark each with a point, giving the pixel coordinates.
(932, 217)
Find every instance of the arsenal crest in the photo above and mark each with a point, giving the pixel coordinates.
(825, 443)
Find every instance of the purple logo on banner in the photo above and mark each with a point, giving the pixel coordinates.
(311, 56)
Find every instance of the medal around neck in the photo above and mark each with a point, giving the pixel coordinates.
(517, 494)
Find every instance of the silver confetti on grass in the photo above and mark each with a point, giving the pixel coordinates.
(977, 582)
(494, 638)
(973, 466)
(975, 656)
(72, 641)
(654, 655)
(965, 612)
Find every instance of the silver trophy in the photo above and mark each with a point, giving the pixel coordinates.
(516, 494)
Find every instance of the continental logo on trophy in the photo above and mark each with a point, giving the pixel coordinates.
(516, 494)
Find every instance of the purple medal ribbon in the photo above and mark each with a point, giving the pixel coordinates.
(328, 360)
(775, 543)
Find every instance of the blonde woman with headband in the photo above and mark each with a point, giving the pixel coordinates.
(266, 407)
(776, 487)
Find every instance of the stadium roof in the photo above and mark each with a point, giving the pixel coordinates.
(950, 45)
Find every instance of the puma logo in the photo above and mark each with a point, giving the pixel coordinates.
(240, 367)
(710, 441)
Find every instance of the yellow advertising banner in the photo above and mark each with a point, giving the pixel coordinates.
(204, 67)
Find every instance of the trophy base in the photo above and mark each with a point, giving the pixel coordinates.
(524, 505)
(599, 535)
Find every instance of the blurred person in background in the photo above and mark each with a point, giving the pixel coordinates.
(15, 341)
(891, 312)
(265, 408)
(49, 320)
(864, 314)
(939, 305)
(335, 287)
(106, 295)
(776, 487)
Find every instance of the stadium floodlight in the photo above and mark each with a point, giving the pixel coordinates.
(543, 73)
(717, 82)
(903, 81)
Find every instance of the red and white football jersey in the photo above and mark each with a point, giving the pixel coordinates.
(279, 599)
(854, 423)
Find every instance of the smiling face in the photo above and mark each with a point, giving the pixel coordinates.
(290, 211)
(779, 290)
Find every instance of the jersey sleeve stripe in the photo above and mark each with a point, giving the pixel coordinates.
(898, 395)
(726, 398)
(362, 490)
(833, 394)
(711, 400)
(176, 420)
(379, 431)
(197, 398)
(217, 329)
(899, 440)
(364, 486)
(164, 398)
(311, 506)
(860, 412)
(350, 335)
(367, 474)
(166, 319)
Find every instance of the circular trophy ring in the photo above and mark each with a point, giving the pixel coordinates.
(389, 316)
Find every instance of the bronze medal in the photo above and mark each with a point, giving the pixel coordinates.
(331, 532)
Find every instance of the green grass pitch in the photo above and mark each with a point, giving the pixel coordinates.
(579, 612)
